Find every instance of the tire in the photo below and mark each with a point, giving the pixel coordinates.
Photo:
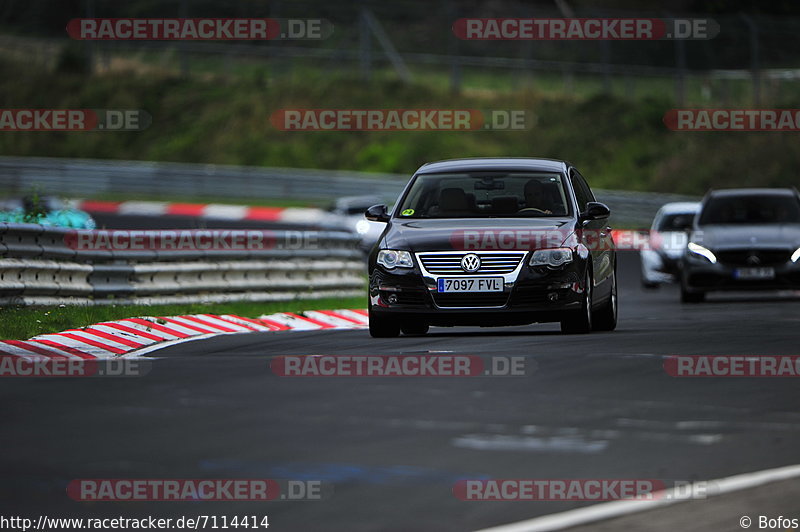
(580, 321)
(414, 328)
(605, 319)
(692, 297)
(381, 327)
(647, 284)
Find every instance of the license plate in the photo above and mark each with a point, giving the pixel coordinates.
(470, 284)
(754, 273)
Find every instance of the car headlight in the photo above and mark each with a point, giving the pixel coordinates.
(362, 227)
(697, 249)
(554, 258)
(390, 259)
(796, 255)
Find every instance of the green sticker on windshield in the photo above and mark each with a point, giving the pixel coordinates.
(407, 212)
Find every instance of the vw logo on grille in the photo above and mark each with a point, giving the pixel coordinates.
(471, 263)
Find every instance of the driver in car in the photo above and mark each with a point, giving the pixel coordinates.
(535, 197)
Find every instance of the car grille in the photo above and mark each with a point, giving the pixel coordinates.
(450, 263)
(762, 257)
(496, 299)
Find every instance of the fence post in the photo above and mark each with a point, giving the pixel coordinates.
(455, 64)
(754, 68)
(364, 45)
(629, 87)
(569, 79)
(388, 48)
(680, 82)
(274, 58)
(91, 46)
(182, 59)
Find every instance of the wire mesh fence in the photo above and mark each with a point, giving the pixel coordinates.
(750, 61)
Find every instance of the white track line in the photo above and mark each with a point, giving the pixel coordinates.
(170, 343)
(609, 510)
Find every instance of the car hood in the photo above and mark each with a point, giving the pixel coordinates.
(761, 236)
(475, 233)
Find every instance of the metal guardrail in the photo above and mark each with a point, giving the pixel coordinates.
(86, 177)
(39, 266)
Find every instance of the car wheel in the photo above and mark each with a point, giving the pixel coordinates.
(606, 318)
(691, 297)
(414, 328)
(581, 320)
(648, 285)
(380, 327)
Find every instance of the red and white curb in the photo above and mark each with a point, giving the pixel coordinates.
(136, 336)
(211, 211)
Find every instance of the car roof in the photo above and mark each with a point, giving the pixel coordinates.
(752, 192)
(676, 207)
(493, 164)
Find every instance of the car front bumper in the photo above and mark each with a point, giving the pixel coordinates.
(705, 277)
(534, 295)
(659, 268)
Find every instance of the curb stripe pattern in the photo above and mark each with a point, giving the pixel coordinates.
(125, 337)
(211, 211)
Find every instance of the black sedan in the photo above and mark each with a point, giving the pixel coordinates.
(743, 239)
(491, 242)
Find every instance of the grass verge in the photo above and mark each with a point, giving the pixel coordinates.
(21, 323)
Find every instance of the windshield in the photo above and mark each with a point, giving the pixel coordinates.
(486, 194)
(675, 222)
(756, 209)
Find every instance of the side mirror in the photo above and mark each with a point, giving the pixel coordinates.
(377, 213)
(595, 211)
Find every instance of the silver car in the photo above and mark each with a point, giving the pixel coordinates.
(668, 238)
(347, 214)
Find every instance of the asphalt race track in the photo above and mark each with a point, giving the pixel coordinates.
(597, 406)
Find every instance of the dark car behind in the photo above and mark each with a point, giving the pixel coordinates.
(743, 239)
